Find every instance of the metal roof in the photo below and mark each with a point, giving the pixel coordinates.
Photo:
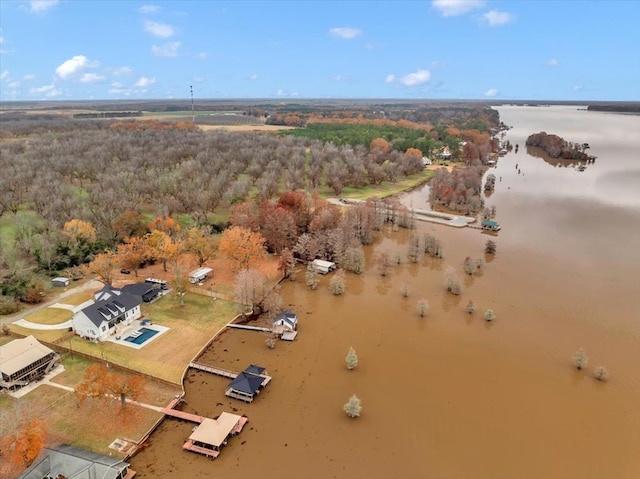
(20, 353)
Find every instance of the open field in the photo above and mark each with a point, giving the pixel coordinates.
(78, 298)
(261, 128)
(48, 336)
(382, 190)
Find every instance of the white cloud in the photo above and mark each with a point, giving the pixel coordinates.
(202, 55)
(161, 30)
(91, 78)
(495, 18)
(390, 78)
(14, 85)
(416, 78)
(253, 77)
(119, 91)
(285, 93)
(148, 9)
(167, 50)
(4, 74)
(491, 92)
(437, 64)
(1, 37)
(553, 62)
(29, 77)
(41, 6)
(74, 66)
(117, 84)
(117, 71)
(198, 79)
(144, 82)
(338, 78)
(453, 8)
(48, 90)
(345, 32)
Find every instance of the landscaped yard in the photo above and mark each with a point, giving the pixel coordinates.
(94, 425)
(50, 316)
(48, 336)
(78, 298)
(190, 328)
(382, 190)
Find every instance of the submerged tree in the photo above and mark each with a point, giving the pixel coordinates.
(311, 277)
(338, 283)
(490, 247)
(471, 307)
(422, 307)
(353, 407)
(601, 373)
(452, 283)
(489, 315)
(580, 360)
(351, 359)
(383, 263)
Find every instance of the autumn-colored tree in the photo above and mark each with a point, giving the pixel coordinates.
(379, 145)
(129, 224)
(104, 266)
(287, 264)
(242, 247)
(251, 289)
(300, 205)
(413, 153)
(202, 243)
(132, 253)
(277, 225)
(22, 436)
(165, 224)
(102, 383)
(78, 231)
(245, 214)
(160, 247)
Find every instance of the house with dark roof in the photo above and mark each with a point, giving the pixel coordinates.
(147, 291)
(112, 308)
(25, 360)
(73, 462)
(287, 319)
(248, 383)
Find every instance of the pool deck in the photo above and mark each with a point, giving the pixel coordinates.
(132, 330)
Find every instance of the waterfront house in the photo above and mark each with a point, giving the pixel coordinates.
(69, 461)
(322, 266)
(285, 325)
(25, 360)
(112, 307)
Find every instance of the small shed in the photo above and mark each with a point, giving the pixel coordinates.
(60, 282)
(322, 266)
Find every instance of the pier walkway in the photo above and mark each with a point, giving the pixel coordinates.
(251, 328)
(210, 369)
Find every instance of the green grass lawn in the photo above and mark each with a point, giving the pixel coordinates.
(382, 190)
(50, 316)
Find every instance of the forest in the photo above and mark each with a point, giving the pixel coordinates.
(74, 188)
(557, 147)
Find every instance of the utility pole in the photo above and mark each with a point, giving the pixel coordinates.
(192, 112)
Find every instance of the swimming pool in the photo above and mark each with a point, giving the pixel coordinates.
(141, 335)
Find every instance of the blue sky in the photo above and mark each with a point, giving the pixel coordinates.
(467, 49)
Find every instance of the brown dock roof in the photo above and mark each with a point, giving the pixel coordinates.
(215, 431)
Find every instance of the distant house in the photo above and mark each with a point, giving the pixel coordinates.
(445, 154)
(426, 161)
(490, 225)
(76, 463)
(322, 266)
(147, 291)
(248, 383)
(25, 360)
(60, 282)
(112, 307)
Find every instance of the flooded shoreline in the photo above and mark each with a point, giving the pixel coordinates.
(450, 395)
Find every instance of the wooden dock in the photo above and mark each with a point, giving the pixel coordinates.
(190, 446)
(210, 369)
(250, 328)
(183, 415)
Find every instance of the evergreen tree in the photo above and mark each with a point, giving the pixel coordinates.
(352, 359)
(353, 407)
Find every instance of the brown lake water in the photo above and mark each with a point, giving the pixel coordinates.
(450, 395)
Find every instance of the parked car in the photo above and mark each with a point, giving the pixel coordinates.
(125, 271)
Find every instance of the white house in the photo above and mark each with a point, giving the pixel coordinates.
(112, 307)
(287, 319)
(322, 266)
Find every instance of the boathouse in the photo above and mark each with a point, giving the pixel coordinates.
(285, 325)
(322, 266)
(490, 225)
(24, 360)
(247, 385)
(211, 434)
